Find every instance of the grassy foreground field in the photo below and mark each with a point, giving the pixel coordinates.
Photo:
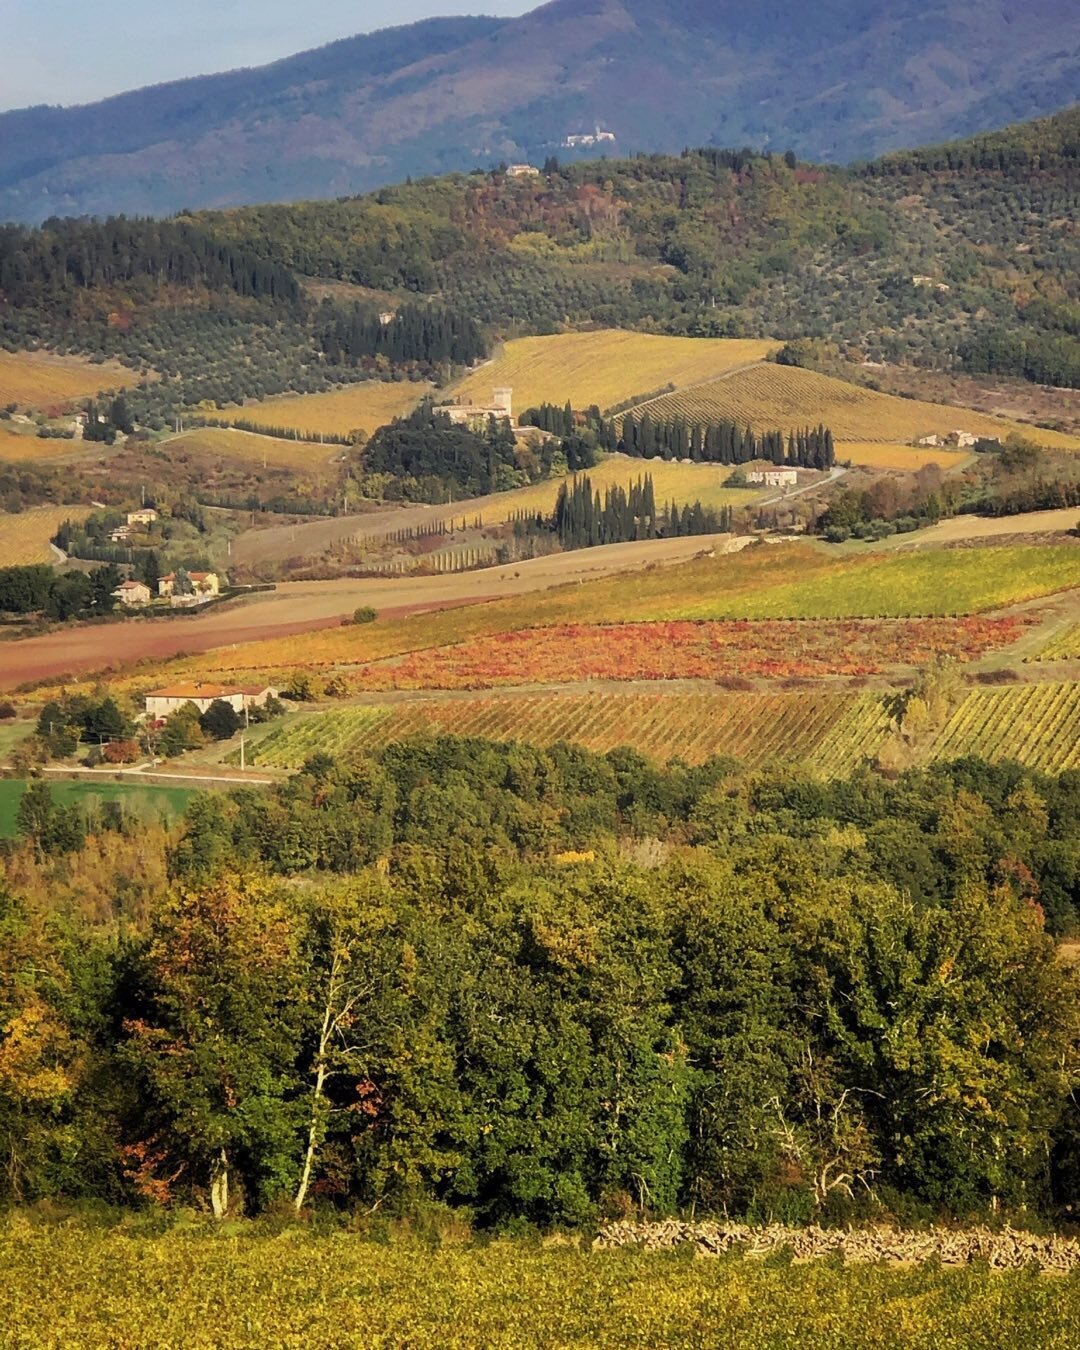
(366, 406)
(253, 449)
(71, 1285)
(24, 538)
(145, 803)
(41, 380)
(784, 396)
(605, 368)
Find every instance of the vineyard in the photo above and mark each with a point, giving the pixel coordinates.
(74, 1283)
(605, 368)
(365, 406)
(1037, 725)
(935, 582)
(41, 381)
(1064, 647)
(24, 538)
(783, 396)
(830, 732)
(699, 651)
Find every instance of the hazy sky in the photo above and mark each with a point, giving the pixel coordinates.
(74, 51)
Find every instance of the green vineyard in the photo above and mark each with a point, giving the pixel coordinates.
(830, 734)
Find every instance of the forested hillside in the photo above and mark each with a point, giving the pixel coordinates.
(834, 80)
(960, 255)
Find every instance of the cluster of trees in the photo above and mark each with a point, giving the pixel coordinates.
(583, 520)
(1045, 358)
(677, 438)
(53, 263)
(64, 723)
(723, 443)
(40, 589)
(106, 424)
(507, 991)
(425, 457)
(427, 336)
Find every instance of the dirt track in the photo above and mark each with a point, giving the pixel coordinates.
(305, 606)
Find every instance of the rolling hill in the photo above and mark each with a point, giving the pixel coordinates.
(834, 81)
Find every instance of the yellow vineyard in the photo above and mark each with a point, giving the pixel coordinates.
(783, 396)
(24, 538)
(604, 368)
(249, 447)
(365, 406)
(40, 380)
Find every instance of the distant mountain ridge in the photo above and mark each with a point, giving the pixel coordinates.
(834, 80)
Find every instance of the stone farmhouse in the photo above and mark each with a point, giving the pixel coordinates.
(523, 171)
(774, 477)
(160, 703)
(146, 516)
(205, 586)
(477, 417)
(133, 594)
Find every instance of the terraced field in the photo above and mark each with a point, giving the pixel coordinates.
(24, 538)
(366, 406)
(783, 396)
(41, 380)
(605, 368)
(830, 732)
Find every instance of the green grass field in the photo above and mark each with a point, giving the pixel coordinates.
(73, 1285)
(146, 803)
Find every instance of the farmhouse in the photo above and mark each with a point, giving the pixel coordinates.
(474, 416)
(929, 440)
(774, 477)
(205, 585)
(146, 516)
(522, 171)
(963, 439)
(161, 702)
(132, 594)
(121, 534)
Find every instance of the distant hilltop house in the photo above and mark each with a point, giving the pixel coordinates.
(474, 416)
(774, 477)
(931, 283)
(160, 703)
(595, 137)
(523, 171)
(145, 516)
(386, 317)
(204, 586)
(133, 594)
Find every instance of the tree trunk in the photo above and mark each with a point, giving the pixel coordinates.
(219, 1186)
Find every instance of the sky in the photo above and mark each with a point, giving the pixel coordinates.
(76, 51)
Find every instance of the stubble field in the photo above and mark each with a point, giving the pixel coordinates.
(41, 380)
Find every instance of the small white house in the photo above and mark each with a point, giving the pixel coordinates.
(205, 585)
(162, 702)
(133, 594)
(146, 516)
(963, 439)
(522, 171)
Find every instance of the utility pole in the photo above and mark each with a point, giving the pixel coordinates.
(243, 760)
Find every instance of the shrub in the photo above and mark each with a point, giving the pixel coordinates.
(121, 752)
(8, 711)
(365, 614)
